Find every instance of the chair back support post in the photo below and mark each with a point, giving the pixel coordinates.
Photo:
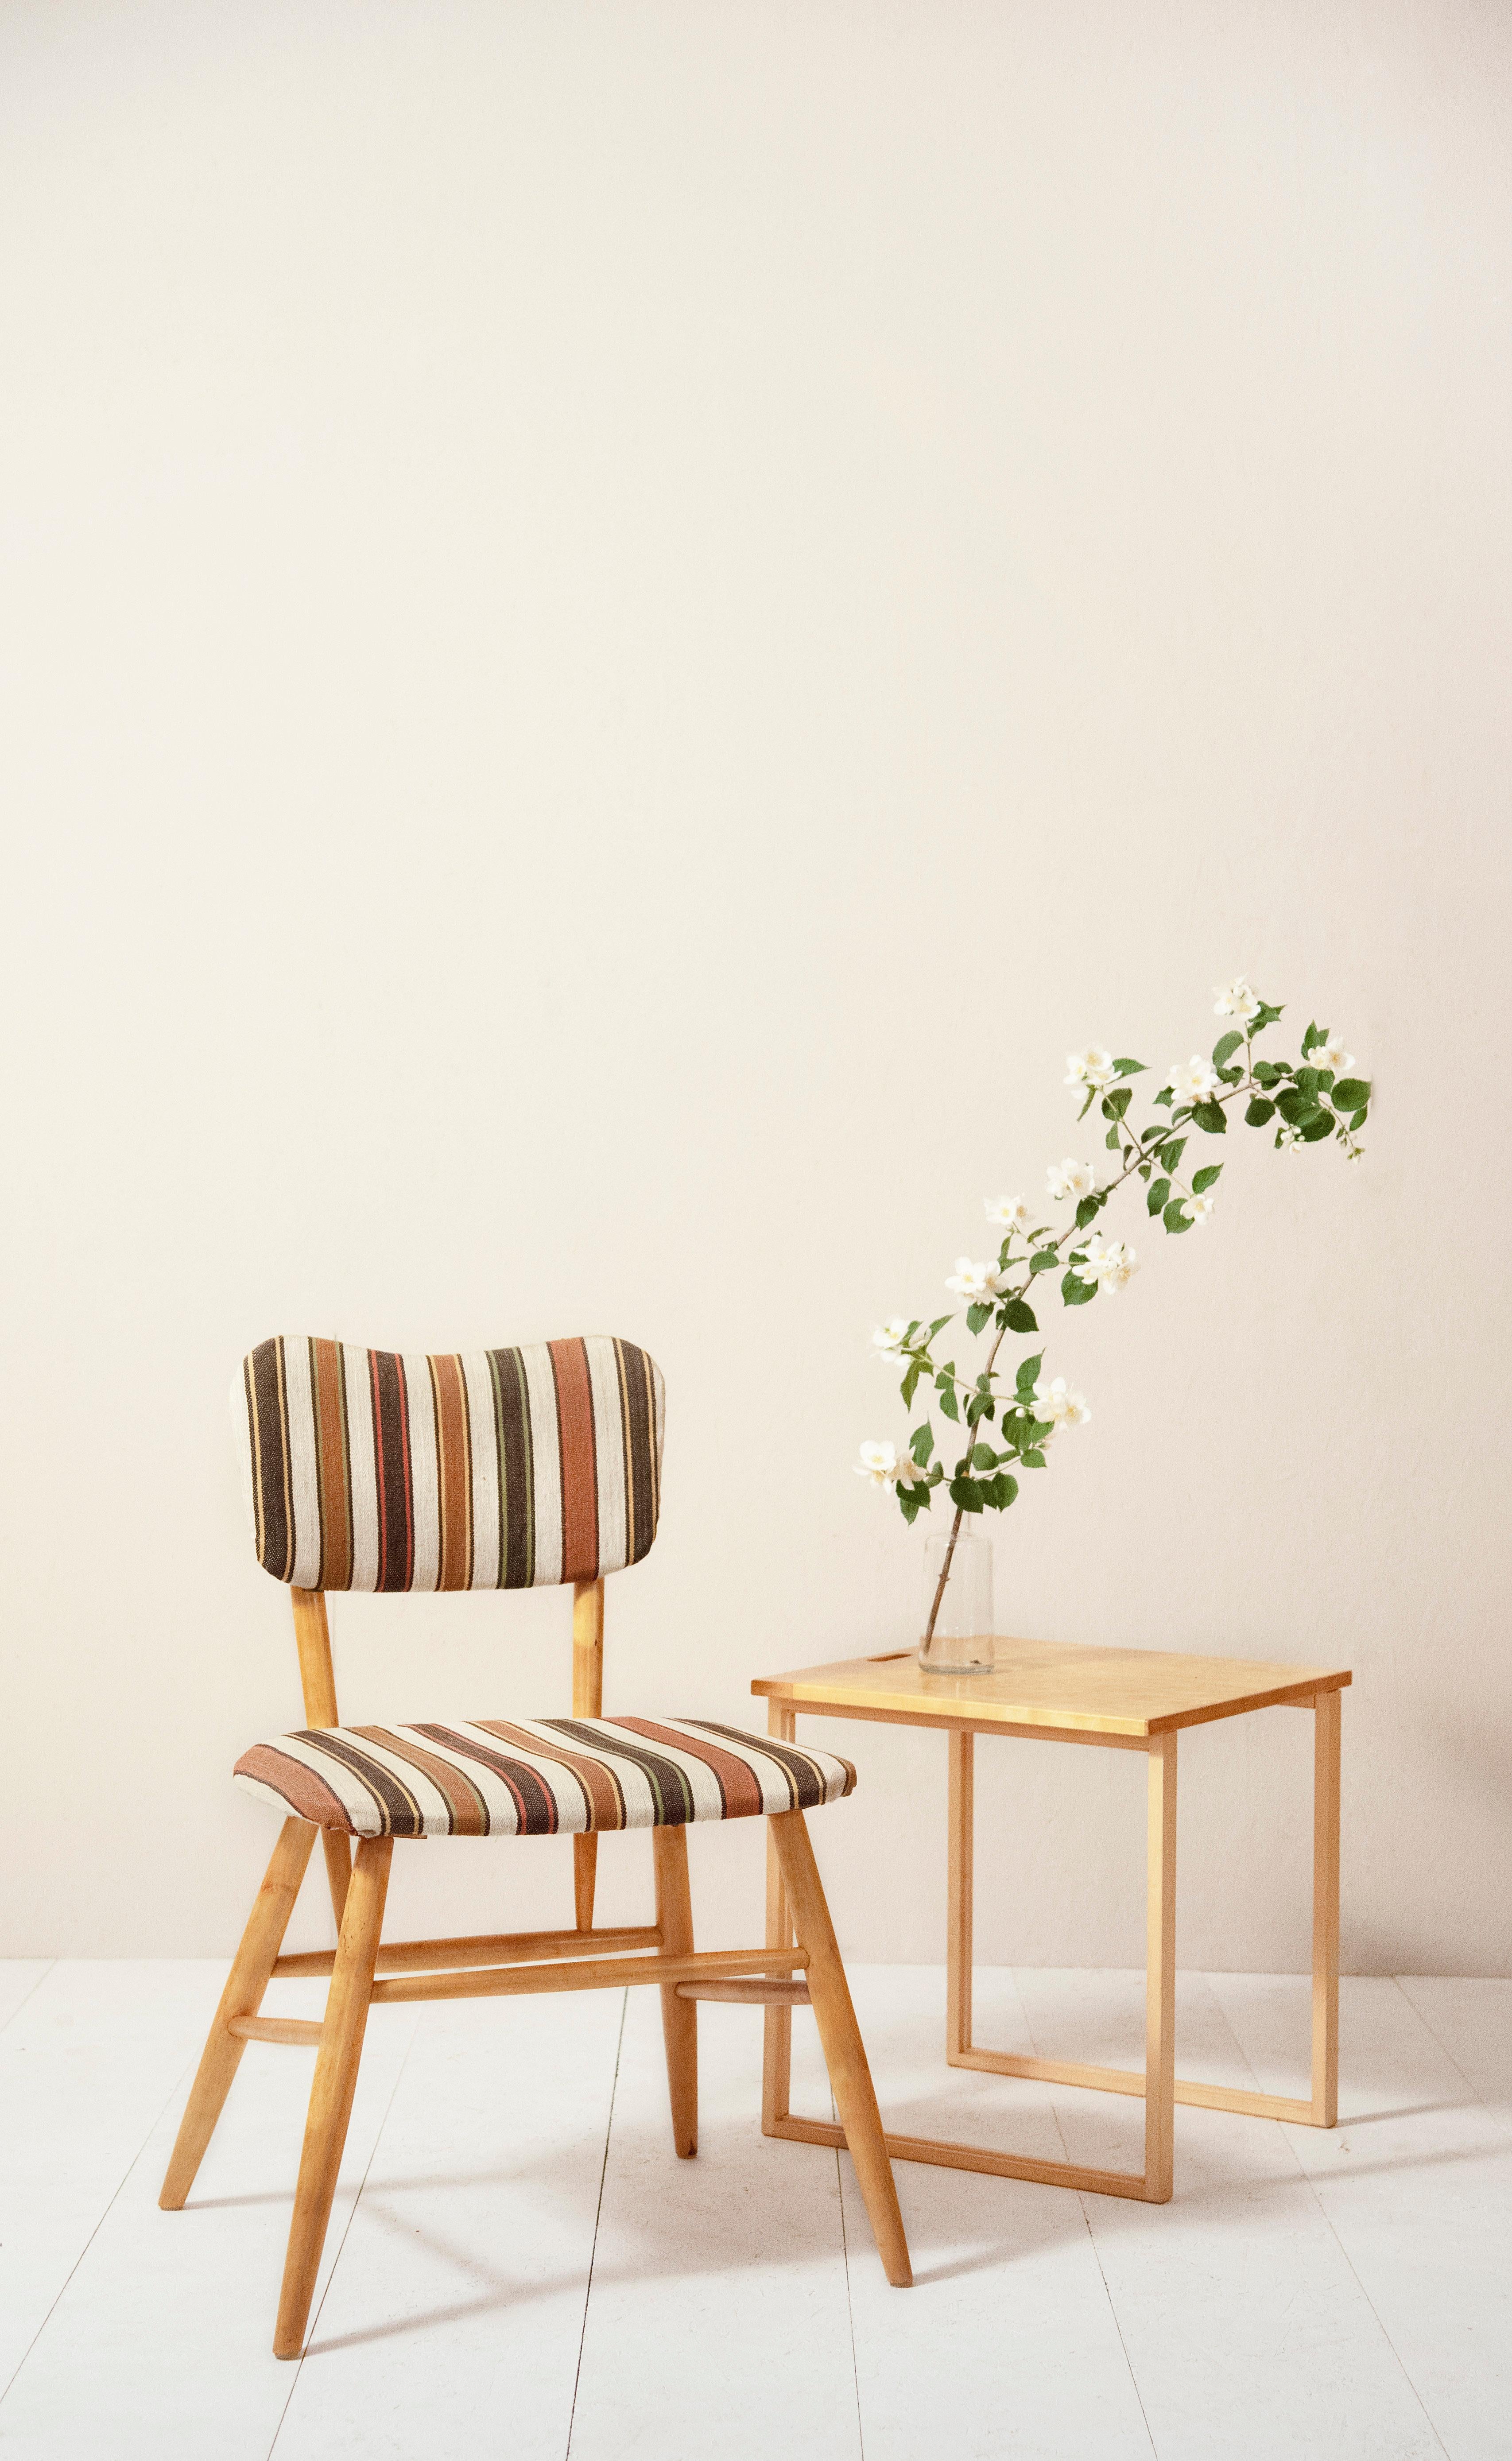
(317, 1677)
(587, 1701)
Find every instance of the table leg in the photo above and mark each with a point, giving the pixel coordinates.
(1326, 1737)
(776, 2027)
(1159, 1986)
(961, 1862)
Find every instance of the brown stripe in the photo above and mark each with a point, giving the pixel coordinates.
(516, 1503)
(468, 1810)
(454, 1464)
(270, 1459)
(606, 1802)
(300, 1787)
(328, 1389)
(640, 1449)
(739, 1786)
(580, 1469)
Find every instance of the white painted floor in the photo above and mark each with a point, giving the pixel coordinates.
(518, 2265)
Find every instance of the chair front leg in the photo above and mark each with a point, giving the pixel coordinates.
(242, 1996)
(674, 1917)
(839, 2037)
(335, 2083)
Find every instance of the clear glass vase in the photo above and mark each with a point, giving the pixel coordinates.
(961, 1642)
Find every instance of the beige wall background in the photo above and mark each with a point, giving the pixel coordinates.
(622, 622)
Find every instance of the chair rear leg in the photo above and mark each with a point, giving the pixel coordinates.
(242, 1996)
(335, 2083)
(675, 1915)
(839, 2037)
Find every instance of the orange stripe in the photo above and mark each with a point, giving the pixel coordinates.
(580, 1482)
(330, 1455)
(455, 1473)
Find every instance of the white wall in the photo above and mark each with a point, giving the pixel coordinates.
(622, 622)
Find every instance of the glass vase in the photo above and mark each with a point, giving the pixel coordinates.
(961, 1642)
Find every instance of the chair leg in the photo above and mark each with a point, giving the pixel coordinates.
(675, 1915)
(839, 2037)
(335, 2083)
(242, 1996)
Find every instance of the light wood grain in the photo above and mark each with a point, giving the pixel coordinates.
(317, 1677)
(776, 2030)
(251, 1969)
(674, 1917)
(839, 2037)
(948, 2156)
(331, 2094)
(959, 1867)
(1160, 1973)
(751, 1994)
(1202, 2097)
(1326, 1741)
(592, 1974)
(587, 1701)
(485, 1948)
(1057, 1685)
(303, 2032)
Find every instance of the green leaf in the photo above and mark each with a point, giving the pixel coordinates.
(1266, 1014)
(1314, 1035)
(1352, 1093)
(1019, 1318)
(1000, 1492)
(1086, 1211)
(1028, 1370)
(1163, 1099)
(1172, 1150)
(1268, 1072)
(948, 1401)
(910, 1382)
(1159, 1191)
(1294, 1107)
(1258, 1112)
(921, 1444)
(1209, 1116)
(1204, 1180)
(1115, 1104)
(1044, 1261)
(1129, 1067)
(1359, 1119)
(1035, 1459)
(966, 1493)
(1176, 1216)
(1111, 1140)
(1322, 1126)
(1308, 1080)
(1224, 1047)
(911, 1500)
(977, 1315)
(1087, 1104)
(1075, 1292)
(938, 1326)
(983, 1457)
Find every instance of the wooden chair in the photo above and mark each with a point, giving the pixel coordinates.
(506, 1468)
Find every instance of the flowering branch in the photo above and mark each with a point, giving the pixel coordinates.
(1311, 1099)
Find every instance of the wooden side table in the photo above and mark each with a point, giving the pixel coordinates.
(1123, 1700)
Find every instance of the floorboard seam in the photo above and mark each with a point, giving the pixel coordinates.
(15, 2012)
(598, 2213)
(1313, 2189)
(1495, 2117)
(99, 2222)
(309, 2335)
(850, 2311)
(1086, 2223)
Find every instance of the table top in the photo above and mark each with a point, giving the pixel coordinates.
(1063, 1684)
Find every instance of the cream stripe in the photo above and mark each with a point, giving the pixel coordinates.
(609, 1443)
(434, 1811)
(483, 1468)
(640, 1801)
(358, 1373)
(425, 1475)
(574, 1810)
(546, 1446)
(304, 1477)
(502, 1817)
(360, 1804)
(776, 1786)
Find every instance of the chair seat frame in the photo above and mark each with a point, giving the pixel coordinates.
(367, 1972)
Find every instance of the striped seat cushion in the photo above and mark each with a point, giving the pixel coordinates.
(535, 1777)
(479, 1470)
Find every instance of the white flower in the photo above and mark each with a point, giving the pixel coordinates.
(888, 1339)
(1056, 1402)
(972, 1283)
(1090, 1067)
(1193, 1080)
(912, 1473)
(1331, 1055)
(1197, 1208)
(879, 1463)
(1069, 1177)
(1235, 999)
(1010, 1212)
(1289, 1142)
(1109, 1266)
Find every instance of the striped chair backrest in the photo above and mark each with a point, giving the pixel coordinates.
(482, 1469)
